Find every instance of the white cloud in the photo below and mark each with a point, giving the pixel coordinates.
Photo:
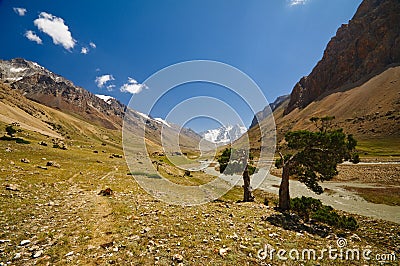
(102, 80)
(84, 50)
(132, 86)
(20, 11)
(56, 29)
(92, 44)
(297, 2)
(31, 35)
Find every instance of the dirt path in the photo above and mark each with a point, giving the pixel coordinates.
(338, 198)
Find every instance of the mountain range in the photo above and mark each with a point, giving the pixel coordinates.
(224, 134)
(43, 101)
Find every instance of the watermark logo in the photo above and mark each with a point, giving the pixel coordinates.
(339, 252)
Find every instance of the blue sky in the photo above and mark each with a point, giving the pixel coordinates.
(112, 47)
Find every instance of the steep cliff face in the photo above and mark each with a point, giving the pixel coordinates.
(361, 49)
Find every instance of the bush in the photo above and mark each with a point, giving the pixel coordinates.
(10, 130)
(22, 141)
(308, 207)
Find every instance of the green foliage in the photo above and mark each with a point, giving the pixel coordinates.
(328, 216)
(231, 161)
(307, 207)
(10, 130)
(304, 206)
(22, 141)
(317, 154)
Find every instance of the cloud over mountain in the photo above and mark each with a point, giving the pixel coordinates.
(56, 29)
(132, 86)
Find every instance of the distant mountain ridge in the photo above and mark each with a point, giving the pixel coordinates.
(366, 46)
(267, 111)
(224, 135)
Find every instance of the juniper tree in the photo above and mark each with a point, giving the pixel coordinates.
(234, 161)
(313, 157)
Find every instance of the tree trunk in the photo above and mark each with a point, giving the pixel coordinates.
(247, 196)
(284, 197)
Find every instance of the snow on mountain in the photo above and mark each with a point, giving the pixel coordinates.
(224, 134)
(162, 121)
(105, 98)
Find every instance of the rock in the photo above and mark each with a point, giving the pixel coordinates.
(42, 143)
(106, 192)
(54, 164)
(8, 149)
(24, 242)
(42, 167)
(12, 187)
(107, 245)
(364, 47)
(223, 251)
(146, 229)
(17, 256)
(24, 160)
(177, 258)
(69, 254)
(355, 237)
(4, 241)
(37, 254)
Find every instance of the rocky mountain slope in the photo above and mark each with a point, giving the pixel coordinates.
(364, 47)
(223, 135)
(41, 85)
(42, 101)
(267, 111)
(357, 81)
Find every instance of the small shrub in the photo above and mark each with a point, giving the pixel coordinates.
(308, 207)
(10, 130)
(22, 141)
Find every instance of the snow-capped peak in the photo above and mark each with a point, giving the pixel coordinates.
(105, 98)
(224, 134)
(160, 120)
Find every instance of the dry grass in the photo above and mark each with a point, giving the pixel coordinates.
(59, 211)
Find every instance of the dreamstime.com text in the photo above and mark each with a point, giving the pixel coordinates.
(340, 252)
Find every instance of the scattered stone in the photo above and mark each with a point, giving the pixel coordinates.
(106, 192)
(42, 143)
(223, 251)
(12, 187)
(54, 164)
(69, 254)
(17, 256)
(25, 160)
(8, 149)
(177, 258)
(146, 229)
(37, 254)
(115, 249)
(107, 245)
(42, 167)
(4, 241)
(24, 242)
(355, 237)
